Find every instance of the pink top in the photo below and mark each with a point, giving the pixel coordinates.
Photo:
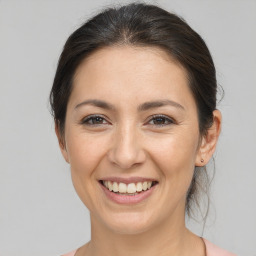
(211, 250)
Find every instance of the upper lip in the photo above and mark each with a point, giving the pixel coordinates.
(127, 180)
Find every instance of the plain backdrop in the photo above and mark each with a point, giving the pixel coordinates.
(40, 213)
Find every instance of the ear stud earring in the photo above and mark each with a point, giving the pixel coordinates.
(202, 160)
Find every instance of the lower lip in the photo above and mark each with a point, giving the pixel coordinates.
(125, 199)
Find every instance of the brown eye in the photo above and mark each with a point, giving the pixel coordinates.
(94, 120)
(160, 120)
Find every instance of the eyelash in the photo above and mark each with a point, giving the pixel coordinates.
(89, 118)
(170, 121)
(155, 117)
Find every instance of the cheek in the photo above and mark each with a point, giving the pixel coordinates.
(85, 153)
(176, 149)
(175, 157)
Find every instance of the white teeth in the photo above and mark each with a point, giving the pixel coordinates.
(122, 188)
(145, 185)
(139, 186)
(110, 186)
(130, 188)
(115, 187)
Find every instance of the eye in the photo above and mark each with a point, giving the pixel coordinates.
(161, 120)
(94, 120)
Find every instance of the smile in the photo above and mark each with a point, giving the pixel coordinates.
(128, 189)
(128, 193)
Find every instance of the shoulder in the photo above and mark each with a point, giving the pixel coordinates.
(70, 253)
(213, 250)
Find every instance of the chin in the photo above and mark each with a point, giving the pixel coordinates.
(129, 223)
(128, 229)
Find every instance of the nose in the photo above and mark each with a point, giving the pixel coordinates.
(126, 149)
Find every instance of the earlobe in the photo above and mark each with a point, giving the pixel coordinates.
(209, 141)
(61, 142)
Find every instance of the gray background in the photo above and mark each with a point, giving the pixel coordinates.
(40, 214)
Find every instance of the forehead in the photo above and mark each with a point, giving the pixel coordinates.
(131, 72)
(131, 57)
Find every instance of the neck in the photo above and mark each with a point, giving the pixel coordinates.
(167, 238)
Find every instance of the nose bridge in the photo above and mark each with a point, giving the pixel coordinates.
(126, 149)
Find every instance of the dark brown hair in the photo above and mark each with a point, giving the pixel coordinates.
(142, 25)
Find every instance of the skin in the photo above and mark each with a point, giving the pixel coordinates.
(126, 142)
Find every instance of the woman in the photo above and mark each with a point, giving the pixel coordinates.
(134, 103)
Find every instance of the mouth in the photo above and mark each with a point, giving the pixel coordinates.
(130, 189)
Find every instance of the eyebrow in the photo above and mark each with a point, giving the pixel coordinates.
(143, 107)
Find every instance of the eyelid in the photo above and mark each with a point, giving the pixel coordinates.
(89, 117)
(171, 120)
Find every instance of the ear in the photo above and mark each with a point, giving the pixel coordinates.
(209, 141)
(61, 141)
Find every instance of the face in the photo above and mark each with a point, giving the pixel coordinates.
(131, 118)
